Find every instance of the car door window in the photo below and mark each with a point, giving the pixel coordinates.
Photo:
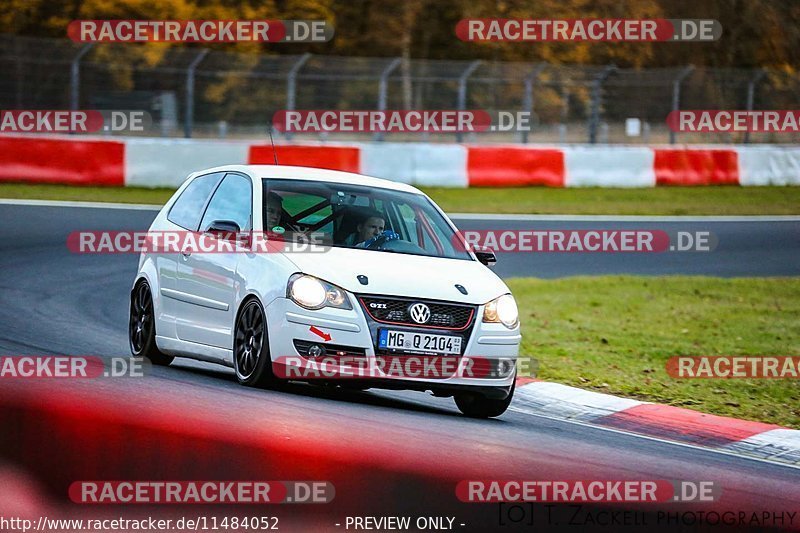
(188, 208)
(232, 201)
(409, 228)
(334, 211)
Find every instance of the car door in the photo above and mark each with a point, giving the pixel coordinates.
(184, 215)
(210, 280)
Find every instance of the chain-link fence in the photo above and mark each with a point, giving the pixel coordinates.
(202, 93)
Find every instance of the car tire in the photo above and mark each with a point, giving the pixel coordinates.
(251, 358)
(142, 326)
(479, 406)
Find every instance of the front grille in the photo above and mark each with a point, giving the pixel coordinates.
(394, 310)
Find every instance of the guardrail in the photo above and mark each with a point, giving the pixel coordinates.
(145, 162)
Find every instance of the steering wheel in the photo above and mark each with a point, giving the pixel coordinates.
(378, 241)
(383, 242)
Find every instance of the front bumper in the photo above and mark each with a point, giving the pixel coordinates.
(288, 323)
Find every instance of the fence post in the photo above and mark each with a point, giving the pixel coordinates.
(188, 119)
(751, 93)
(527, 103)
(462, 91)
(676, 95)
(383, 89)
(75, 77)
(594, 116)
(562, 128)
(291, 85)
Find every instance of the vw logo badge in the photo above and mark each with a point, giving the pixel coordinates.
(420, 313)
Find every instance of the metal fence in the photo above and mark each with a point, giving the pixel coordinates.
(209, 93)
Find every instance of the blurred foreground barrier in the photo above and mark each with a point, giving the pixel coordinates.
(61, 434)
(165, 162)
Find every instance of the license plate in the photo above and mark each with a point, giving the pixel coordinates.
(419, 342)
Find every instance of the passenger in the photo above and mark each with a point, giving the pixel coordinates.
(274, 211)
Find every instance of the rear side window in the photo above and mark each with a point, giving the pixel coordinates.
(188, 208)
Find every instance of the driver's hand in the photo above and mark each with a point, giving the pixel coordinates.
(387, 235)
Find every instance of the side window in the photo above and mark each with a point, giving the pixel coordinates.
(188, 208)
(232, 201)
(413, 225)
(447, 244)
(409, 222)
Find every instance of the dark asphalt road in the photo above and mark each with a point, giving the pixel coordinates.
(55, 302)
(751, 248)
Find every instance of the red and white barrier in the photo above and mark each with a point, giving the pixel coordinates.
(609, 166)
(73, 161)
(332, 156)
(666, 422)
(167, 162)
(515, 166)
(696, 166)
(436, 165)
(147, 162)
(769, 165)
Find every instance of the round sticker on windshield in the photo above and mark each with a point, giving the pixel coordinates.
(279, 230)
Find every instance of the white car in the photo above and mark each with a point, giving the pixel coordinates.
(388, 281)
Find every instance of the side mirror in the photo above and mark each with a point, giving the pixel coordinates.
(225, 230)
(486, 257)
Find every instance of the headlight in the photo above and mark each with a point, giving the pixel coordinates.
(502, 310)
(312, 293)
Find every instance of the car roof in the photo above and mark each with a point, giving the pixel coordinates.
(312, 174)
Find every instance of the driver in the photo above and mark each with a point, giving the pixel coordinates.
(371, 226)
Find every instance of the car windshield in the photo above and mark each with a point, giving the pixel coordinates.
(352, 216)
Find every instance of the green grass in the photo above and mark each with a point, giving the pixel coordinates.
(128, 195)
(600, 201)
(614, 334)
(588, 201)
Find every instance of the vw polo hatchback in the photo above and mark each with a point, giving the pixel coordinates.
(385, 279)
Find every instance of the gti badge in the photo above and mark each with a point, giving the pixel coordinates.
(420, 313)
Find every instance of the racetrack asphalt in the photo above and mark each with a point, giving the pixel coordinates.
(754, 247)
(56, 302)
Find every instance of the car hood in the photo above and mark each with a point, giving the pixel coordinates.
(402, 274)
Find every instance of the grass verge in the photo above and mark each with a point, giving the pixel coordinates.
(713, 200)
(126, 195)
(529, 200)
(614, 334)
